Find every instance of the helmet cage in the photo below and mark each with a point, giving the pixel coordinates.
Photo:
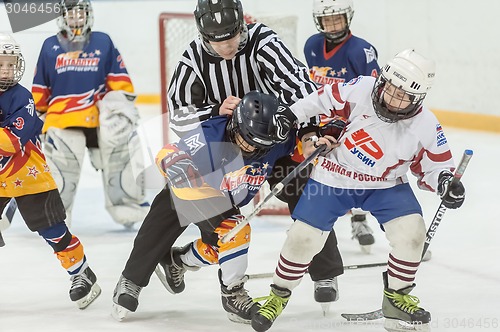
(79, 11)
(10, 48)
(219, 21)
(381, 108)
(325, 8)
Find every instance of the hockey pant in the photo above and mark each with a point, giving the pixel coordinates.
(158, 233)
(44, 213)
(328, 262)
(406, 237)
(65, 149)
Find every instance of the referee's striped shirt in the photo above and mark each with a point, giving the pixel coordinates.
(201, 82)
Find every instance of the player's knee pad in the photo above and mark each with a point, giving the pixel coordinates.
(66, 246)
(406, 236)
(233, 255)
(303, 242)
(64, 150)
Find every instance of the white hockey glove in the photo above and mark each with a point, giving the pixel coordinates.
(118, 117)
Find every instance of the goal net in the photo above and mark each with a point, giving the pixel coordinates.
(177, 30)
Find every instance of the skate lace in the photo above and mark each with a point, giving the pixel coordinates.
(407, 303)
(273, 306)
(360, 228)
(325, 283)
(130, 288)
(240, 299)
(79, 281)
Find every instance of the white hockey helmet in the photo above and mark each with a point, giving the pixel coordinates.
(10, 48)
(76, 20)
(407, 71)
(322, 8)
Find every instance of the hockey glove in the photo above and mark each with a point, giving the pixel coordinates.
(283, 121)
(178, 167)
(334, 128)
(452, 194)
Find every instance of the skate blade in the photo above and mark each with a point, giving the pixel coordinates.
(94, 293)
(325, 306)
(366, 249)
(237, 319)
(118, 312)
(396, 325)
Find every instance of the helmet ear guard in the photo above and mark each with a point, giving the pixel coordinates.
(409, 72)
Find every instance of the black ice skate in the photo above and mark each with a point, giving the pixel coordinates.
(271, 309)
(239, 306)
(173, 279)
(326, 291)
(401, 310)
(362, 232)
(84, 289)
(125, 298)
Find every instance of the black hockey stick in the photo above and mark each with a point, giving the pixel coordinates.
(438, 217)
(275, 191)
(346, 267)
(8, 214)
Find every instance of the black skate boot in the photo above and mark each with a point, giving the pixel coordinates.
(401, 310)
(173, 280)
(271, 309)
(362, 232)
(326, 291)
(239, 306)
(84, 289)
(125, 298)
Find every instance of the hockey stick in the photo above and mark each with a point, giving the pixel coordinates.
(346, 267)
(2, 242)
(438, 217)
(8, 214)
(275, 191)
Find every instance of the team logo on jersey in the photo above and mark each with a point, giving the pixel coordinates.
(194, 143)
(363, 146)
(440, 137)
(248, 177)
(370, 54)
(326, 75)
(31, 107)
(77, 61)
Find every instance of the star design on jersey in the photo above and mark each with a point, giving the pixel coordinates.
(333, 72)
(343, 71)
(33, 171)
(46, 168)
(265, 165)
(91, 54)
(97, 52)
(253, 171)
(3, 184)
(18, 183)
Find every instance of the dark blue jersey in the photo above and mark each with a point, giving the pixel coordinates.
(222, 165)
(351, 58)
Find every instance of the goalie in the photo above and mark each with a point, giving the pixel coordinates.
(82, 89)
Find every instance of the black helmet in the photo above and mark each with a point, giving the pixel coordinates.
(253, 121)
(219, 20)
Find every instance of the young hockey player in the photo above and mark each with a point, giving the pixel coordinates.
(229, 59)
(25, 175)
(212, 172)
(82, 88)
(390, 132)
(335, 55)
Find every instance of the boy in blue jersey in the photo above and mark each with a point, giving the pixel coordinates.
(212, 171)
(25, 175)
(335, 55)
